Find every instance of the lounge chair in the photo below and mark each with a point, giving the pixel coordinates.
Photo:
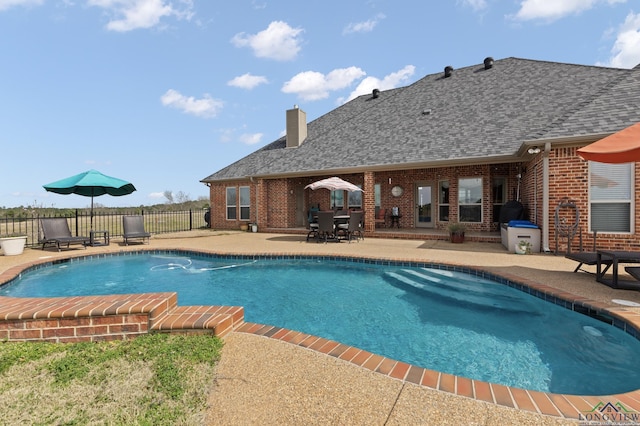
(133, 227)
(634, 271)
(588, 257)
(55, 231)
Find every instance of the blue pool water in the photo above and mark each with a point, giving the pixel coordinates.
(442, 320)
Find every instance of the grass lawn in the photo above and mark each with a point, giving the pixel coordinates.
(156, 379)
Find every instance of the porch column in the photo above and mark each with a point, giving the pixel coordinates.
(369, 202)
(261, 204)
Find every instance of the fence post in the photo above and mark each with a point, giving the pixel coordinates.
(77, 220)
(190, 220)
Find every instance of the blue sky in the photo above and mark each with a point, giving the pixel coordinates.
(163, 93)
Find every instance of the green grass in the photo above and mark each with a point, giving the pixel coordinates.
(157, 379)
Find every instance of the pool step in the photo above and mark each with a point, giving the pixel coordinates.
(454, 288)
(218, 320)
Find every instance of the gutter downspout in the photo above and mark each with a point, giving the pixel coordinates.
(545, 197)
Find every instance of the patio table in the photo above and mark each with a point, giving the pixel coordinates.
(616, 257)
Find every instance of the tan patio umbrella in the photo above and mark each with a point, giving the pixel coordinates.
(333, 184)
(620, 147)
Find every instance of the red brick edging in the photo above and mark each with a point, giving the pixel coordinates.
(545, 403)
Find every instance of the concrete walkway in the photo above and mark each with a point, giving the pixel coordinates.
(266, 381)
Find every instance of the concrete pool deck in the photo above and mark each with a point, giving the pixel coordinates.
(265, 380)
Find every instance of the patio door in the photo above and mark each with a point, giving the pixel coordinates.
(424, 205)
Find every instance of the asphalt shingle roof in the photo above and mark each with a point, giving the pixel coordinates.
(475, 115)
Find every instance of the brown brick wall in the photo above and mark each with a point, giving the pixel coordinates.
(568, 180)
(60, 330)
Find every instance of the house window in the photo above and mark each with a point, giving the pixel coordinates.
(499, 196)
(355, 199)
(337, 200)
(443, 201)
(231, 203)
(611, 191)
(470, 200)
(376, 196)
(245, 203)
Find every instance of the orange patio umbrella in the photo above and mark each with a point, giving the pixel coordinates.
(620, 147)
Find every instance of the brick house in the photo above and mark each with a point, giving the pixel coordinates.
(454, 146)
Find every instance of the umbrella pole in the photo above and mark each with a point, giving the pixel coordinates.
(91, 220)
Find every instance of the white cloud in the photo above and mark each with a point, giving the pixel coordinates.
(8, 4)
(134, 14)
(475, 4)
(626, 49)
(206, 107)
(391, 81)
(556, 9)
(279, 41)
(313, 85)
(251, 138)
(156, 195)
(247, 81)
(363, 27)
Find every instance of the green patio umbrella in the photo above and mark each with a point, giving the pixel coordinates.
(91, 183)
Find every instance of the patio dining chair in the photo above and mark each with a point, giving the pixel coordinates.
(312, 219)
(381, 218)
(353, 228)
(326, 226)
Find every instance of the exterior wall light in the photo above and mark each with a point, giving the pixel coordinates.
(534, 150)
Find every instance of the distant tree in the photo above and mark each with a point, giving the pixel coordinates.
(182, 197)
(169, 196)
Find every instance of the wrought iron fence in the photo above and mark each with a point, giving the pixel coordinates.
(81, 223)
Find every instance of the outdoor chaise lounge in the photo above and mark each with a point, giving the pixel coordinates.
(55, 231)
(588, 257)
(134, 229)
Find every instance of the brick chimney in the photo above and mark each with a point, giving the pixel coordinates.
(296, 127)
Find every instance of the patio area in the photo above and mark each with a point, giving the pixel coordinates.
(265, 379)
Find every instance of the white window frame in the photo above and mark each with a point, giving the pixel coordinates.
(441, 200)
(337, 196)
(463, 201)
(244, 205)
(231, 203)
(358, 196)
(608, 173)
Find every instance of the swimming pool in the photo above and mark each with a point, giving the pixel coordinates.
(438, 319)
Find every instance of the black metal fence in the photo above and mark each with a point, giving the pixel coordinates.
(81, 223)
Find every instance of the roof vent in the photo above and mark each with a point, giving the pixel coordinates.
(448, 70)
(376, 93)
(488, 62)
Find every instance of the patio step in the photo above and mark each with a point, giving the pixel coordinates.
(218, 320)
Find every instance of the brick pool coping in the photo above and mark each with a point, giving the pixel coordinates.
(94, 318)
